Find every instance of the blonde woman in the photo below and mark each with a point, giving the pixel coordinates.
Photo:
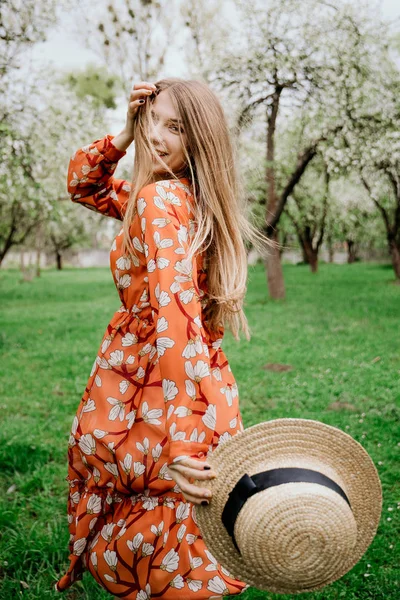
(161, 394)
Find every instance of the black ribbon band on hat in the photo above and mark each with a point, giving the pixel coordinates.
(248, 486)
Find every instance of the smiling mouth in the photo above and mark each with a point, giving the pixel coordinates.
(161, 155)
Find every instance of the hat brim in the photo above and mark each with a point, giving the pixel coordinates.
(289, 443)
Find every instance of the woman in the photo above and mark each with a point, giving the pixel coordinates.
(161, 394)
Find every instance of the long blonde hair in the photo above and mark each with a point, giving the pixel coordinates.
(218, 190)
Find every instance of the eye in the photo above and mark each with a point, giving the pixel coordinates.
(175, 127)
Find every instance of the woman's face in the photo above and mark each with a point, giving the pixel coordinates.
(164, 134)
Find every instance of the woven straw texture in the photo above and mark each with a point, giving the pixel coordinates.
(295, 537)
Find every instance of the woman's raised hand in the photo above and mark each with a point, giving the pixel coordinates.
(137, 98)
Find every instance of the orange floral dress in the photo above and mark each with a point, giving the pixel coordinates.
(160, 388)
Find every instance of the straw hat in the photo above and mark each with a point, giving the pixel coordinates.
(304, 523)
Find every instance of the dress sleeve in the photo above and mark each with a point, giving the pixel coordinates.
(91, 181)
(181, 341)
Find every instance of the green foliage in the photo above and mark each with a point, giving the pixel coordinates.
(338, 332)
(95, 83)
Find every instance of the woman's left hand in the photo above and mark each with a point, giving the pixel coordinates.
(189, 468)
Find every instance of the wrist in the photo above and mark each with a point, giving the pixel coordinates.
(122, 140)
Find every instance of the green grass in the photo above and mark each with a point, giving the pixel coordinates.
(338, 330)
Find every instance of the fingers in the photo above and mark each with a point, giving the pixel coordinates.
(197, 473)
(142, 90)
(192, 462)
(144, 84)
(192, 492)
(138, 96)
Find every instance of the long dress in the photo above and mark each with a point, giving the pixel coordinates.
(160, 388)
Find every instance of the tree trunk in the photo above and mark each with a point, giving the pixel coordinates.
(273, 264)
(38, 249)
(395, 254)
(351, 251)
(331, 251)
(59, 260)
(312, 255)
(304, 253)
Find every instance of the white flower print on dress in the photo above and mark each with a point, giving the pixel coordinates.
(164, 473)
(99, 433)
(181, 533)
(129, 339)
(156, 452)
(112, 468)
(176, 435)
(182, 511)
(157, 530)
(217, 585)
(111, 559)
(122, 282)
(143, 447)
(116, 358)
(169, 389)
(150, 503)
(106, 342)
(138, 468)
(144, 594)
(193, 348)
(183, 411)
(89, 406)
(123, 386)
(79, 546)
(123, 263)
(196, 437)
(210, 417)
(177, 582)
(231, 392)
(170, 561)
(147, 549)
(75, 497)
(135, 544)
(75, 424)
(118, 409)
(151, 416)
(194, 562)
(126, 464)
(194, 584)
(130, 417)
(87, 444)
(107, 531)
(94, 505)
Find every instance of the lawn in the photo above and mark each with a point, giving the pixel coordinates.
(338, 332)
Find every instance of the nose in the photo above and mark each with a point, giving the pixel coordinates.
(155, 135)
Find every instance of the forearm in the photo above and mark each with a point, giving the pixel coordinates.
(122, 140)
(91, 180)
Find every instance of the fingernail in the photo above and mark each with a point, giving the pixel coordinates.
(204, 502)
(141, 101)
(207, 467)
